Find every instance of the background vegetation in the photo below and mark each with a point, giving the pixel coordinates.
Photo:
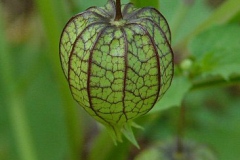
(39, 119)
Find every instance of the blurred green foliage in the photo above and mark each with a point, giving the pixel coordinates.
(40, 120)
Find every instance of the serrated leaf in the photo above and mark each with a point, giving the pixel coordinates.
(217, 51)
(180, 86)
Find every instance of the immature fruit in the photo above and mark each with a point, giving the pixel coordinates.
(117, 60)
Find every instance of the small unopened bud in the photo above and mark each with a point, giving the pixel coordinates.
(186, 64)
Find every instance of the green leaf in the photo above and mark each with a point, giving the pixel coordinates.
(173, 97)
(185, 20)
(217, 51)
(223, 14)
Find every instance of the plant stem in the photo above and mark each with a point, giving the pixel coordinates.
(215, 82)
(118, 14)
(180, 130)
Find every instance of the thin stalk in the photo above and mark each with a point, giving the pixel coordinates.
(180, 130)
(118, 14)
